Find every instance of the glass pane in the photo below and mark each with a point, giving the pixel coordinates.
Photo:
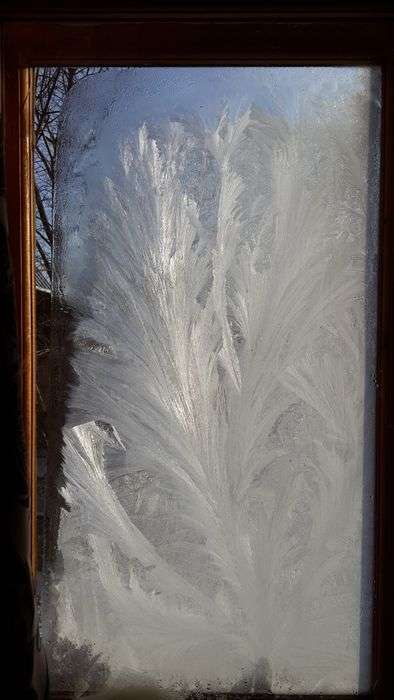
(206, 284)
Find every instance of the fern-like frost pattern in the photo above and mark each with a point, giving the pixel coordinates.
(216, 455)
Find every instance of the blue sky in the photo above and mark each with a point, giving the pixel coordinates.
(206, 90)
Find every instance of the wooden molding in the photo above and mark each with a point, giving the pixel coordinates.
(238, 38)
(18, 149)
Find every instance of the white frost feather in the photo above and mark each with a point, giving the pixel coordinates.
(222, 524)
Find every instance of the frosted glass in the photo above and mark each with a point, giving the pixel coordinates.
(216, 254)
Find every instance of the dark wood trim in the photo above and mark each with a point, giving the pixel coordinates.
(193, 41)
(69, 695)
(125, 10)
(241, 38)
(384, 521)
(18, 152)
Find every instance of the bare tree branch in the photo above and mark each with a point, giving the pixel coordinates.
(43, 217)
(44, 259)
(51, 88)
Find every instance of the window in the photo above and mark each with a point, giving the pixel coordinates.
(214, 319)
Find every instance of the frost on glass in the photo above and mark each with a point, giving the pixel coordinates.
(216, 263)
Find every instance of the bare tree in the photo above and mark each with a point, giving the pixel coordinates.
(51, 88)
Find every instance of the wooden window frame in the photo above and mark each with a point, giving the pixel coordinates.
(265, 37)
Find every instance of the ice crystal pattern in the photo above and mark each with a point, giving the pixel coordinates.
(214, 446)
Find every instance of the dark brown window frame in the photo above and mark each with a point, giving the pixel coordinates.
(210, 38)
